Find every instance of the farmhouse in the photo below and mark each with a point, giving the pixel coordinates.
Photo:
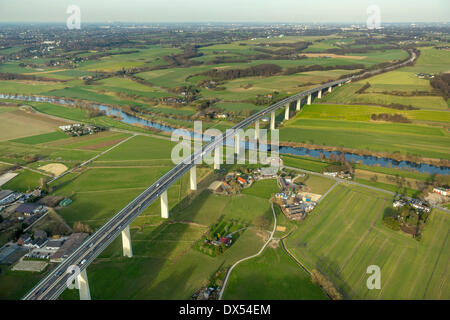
(29, 209)
(442, 191)
(398, 203)
(269, 172)
(69, 246)
(331, 174)
(24, 239)
(54, 244)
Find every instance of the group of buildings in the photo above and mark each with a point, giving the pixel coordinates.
(24, 212)
(37, 245)
(294, 202)
(339, 174)
(416, 204)
(79, 129)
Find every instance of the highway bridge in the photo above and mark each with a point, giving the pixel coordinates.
(55, 282)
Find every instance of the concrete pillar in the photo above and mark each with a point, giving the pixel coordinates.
(216, 159)
(309, 100)
(236, 143)
(83, 286)
(340, 84)
(272, 120)
(286, 112)
(257, 130)
(329, 89)
(299, 104)
(164, 205)
(126, 242)
(319, 94)
(193, 178)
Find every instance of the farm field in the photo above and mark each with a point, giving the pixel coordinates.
(26, 181)
(165, 247)
(273, 276)
(313, 124)
(43, 138)
(345, 235)
(19, 123)
(174, 75)
(404, 80)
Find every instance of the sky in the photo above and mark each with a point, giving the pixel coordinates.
(289, 11)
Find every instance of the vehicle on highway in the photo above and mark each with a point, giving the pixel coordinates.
(83, 262)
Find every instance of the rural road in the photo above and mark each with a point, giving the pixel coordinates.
(250, 257)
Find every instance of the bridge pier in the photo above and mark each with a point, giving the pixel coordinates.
(329, 89)
(272, 120)
(237, 142)
(257, 130)
(286, 112)
(299, 104)
(309, 100)
(193, 178)
(164, 205)
(340, 84)
(216, 159)
(83, 286)
(319, 94)
(126, 242)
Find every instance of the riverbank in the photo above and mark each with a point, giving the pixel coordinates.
(414, 161)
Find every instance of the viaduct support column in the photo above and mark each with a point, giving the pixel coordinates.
(257, 130)
(299, 104)
(319, 94)
(309, 100)
(126, 242)
(217, 158)
(329, 89)
(340, 84)
(272, 120)
(286, 112)
(83, 286)
(193, 178)
(164, 205)
(237, 142)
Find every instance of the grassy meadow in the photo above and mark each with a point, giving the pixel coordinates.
(345, 234)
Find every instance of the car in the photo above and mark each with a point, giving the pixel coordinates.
(157, 185)
(91, 244)
(83, 262)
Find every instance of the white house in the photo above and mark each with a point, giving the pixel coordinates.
(441, 191)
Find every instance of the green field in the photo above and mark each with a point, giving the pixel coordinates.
(384, 86)
(165, 248)
(352, 128)
(271, 276)
(345, 234)
(43, 138)
(26, 181)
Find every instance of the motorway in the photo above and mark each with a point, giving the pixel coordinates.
(55, 282)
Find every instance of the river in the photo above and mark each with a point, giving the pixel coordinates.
(299, 151)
